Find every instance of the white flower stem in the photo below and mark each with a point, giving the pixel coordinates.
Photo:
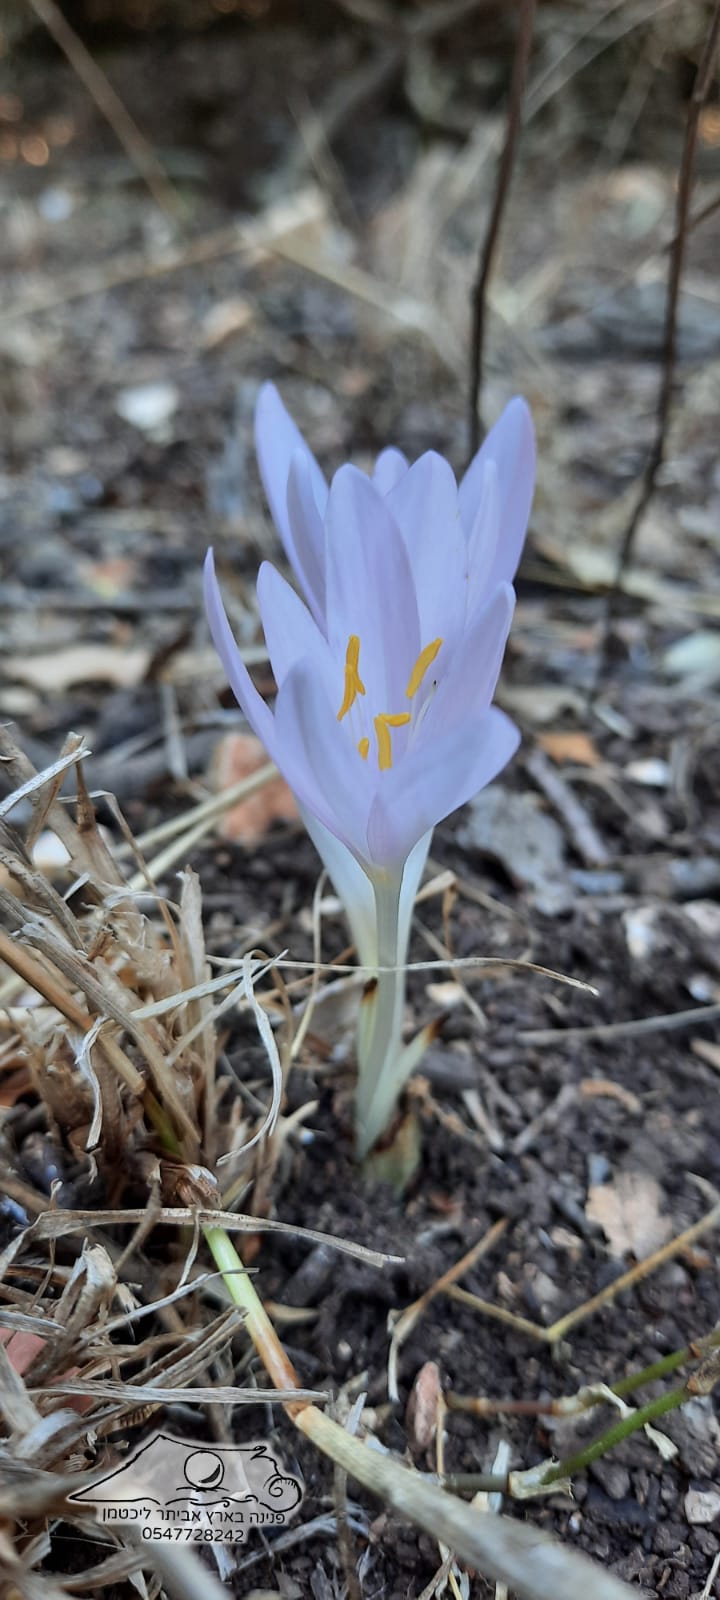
(377, 1081)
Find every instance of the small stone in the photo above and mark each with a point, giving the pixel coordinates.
(56, 204)
(596, 881)
(705, 916)
(706, 1542)
(696, 1431)
(702, 1506)
(642, 934)
(599, 1169)
(148, 406)
(691, 878)
(651, 773)
(613, 1478)
(694, 653)
(667, 1538)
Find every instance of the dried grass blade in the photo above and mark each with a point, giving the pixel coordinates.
(15, 1403)
(56, 1224)
(161, 1394)
(35, 781)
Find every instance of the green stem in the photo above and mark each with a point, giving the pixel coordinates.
(377, 1088)
(637, 1419)
(615, 1435)
(666, 1365)
(260, 1329)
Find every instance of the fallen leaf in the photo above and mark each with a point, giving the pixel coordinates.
(628, 1211)
(81, 663)
(238, 756)
(576, 747)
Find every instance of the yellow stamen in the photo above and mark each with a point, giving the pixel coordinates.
(383, 724)
(364, 747)
(424, 660)
(353, 682)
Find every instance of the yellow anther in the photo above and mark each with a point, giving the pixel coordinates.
(353, 682)
(424, 660)
(383, 724)
(363, 748)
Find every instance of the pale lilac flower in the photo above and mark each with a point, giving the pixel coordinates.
(386, 669)
(383, 722)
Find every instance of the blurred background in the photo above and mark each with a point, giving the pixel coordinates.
(198, 196)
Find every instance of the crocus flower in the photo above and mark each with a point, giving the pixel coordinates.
(386, 669)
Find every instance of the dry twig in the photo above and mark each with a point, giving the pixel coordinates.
(518, 80)
(701, 89)
(559, 1330)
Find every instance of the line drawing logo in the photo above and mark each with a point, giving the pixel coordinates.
(189, 1492)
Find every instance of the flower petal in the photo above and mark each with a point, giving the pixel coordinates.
(258, 714)
(316, 756)
(424, 503)
(511, 445)
(483, 538)
(370, 590)
(306, 525)
(467, 686)
(290, 632)
(389, 467)
(351, 884)
(276, 441)
(426, 786)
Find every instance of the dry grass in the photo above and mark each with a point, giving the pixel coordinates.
(109, 1041)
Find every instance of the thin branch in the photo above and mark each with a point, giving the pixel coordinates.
(526, 19)
(108, 102)
(703, 82)
(663, 1023)
(559, 1330)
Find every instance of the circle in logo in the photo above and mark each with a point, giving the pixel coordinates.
(204, 1470)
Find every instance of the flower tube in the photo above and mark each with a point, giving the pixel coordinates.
(385, 670)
